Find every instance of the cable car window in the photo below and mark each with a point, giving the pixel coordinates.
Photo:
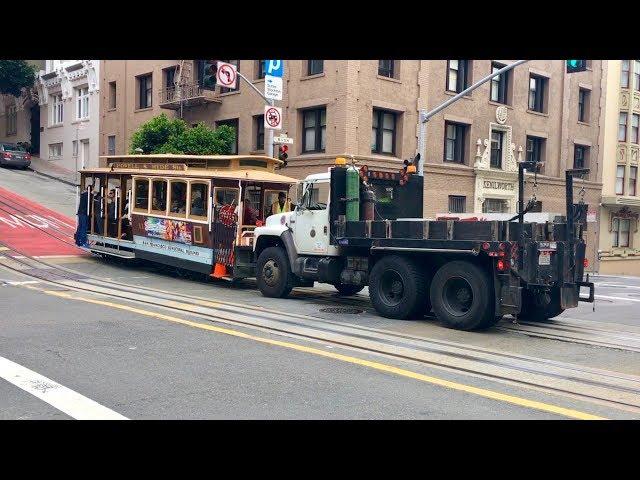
(178, 198)
(272, 204)
(159, 197)
(199, 198)
(225, 196)
(252, 203)
(141, 202)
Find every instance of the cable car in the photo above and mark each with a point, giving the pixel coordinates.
(195, 212)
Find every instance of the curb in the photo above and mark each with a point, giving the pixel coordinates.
(73, 184)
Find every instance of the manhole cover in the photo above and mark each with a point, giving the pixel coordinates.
(341, 310)
(53, 274)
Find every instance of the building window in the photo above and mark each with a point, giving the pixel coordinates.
(169, 77)
(315, 67)
(499, 84)
(620, 180)
(314, 129)
(636, 74)
(497, 139)
(620, 232)
(227, 90)
(584, 96)
(622, 127)
(635, 119)
(495, 205)
(534, 149)
(383, 132)
(111, 145)
(57, 110)
(624, 75)
(112, 94)
(233, 123)
(55, 150)
(261, 72)
(454, 142)
(82, 103)
(12, 120)
(259, 122)
(145, 91)
(386, 68)
(580, 154)
(458, 75)
(457, 204)
(537, 87)
(74, 149)
(633, 178)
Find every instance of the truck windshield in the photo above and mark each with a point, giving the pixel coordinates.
(316, 195)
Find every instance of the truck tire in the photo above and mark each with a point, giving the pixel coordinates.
(397, 288)
(461, 296)
(533, 310)
(347, 290)
(273, 273)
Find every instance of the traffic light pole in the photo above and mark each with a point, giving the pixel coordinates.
(268, 143)
(425, 116)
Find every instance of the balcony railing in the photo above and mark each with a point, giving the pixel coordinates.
(187, 95)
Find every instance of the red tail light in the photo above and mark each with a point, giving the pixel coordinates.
(28, 156)
(585, 262)
(6, 155)
(502, 265)
(486, 246)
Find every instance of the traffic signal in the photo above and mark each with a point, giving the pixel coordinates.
(282, 153)
(576, 66)
(208, 70)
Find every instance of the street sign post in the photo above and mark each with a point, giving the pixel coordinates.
(227, 75)
(272, 117)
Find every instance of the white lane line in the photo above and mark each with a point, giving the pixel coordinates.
(26, 282)
(58, 396)
(617, 298)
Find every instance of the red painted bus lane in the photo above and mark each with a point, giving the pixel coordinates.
(34, 230)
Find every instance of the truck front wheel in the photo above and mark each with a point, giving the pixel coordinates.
(273, 273)
(462, 298)
(397, 288)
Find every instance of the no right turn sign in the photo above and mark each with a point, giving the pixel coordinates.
(272, 117)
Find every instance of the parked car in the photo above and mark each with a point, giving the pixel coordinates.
(12, 155)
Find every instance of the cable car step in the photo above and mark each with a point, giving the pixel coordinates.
(113, 251)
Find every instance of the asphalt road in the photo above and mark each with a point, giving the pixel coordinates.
(133, 360)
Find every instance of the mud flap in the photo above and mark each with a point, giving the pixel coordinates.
(569, 296)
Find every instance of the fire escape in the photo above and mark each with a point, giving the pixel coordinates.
(186, 92)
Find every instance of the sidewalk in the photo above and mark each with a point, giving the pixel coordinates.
(48, 169)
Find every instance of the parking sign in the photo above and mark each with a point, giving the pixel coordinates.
(275, 68)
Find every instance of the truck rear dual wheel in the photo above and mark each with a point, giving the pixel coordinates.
(273, 273)
(462, 296)
(397, 288)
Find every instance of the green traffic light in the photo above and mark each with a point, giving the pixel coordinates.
(573, 63)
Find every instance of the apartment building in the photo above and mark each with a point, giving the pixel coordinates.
(620, 206)
(20, 116)
(69, 112)
(368, 110)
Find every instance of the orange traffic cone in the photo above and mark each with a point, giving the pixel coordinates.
(219, 271)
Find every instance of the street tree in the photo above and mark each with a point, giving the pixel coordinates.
(164, 135)
(16, 75)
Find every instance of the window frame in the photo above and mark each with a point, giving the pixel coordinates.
(502, 84)
(187, 192)
(539, 93)
(622, 178)
(311, 64)
(584, 102)
(82, 103)
(459, 146)
(379, 113)
(459, 198)
(504, 202)
(159, 213)
(625, 73)
(113, 95)
(536, 151)
(318, 127)
(387, 70)
(260, 131)
(145, 90)
(57, 110)
(633, 180)
(624, 115)
(462, 80)
(136, 181)
(500, 149)
(229, 122)
(109, 152)
(580, 148)
(11, 120)
(618, 231)
(190, 216)
(635, 118)
(636, 74)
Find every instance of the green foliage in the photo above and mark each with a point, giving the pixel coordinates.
(16, 75)
(164, 135)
